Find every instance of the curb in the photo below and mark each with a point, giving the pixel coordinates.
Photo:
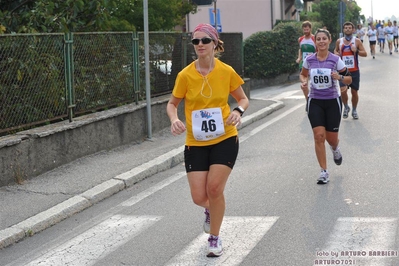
(78, 203)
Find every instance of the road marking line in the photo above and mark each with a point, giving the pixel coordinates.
(361, 235)
(97, 242)
(287, 94)
(295, 97)
(146, 193)
(239, 236)
(268, 123)
(278, 97)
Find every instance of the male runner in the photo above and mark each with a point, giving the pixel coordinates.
(388, 30)
(349, 48)
(307, 46)
(360, 32)
(381, 37)
(372, 34)
(395, 35)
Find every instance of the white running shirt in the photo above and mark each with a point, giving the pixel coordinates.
(381, 33)
(395, 30)
(372, 35)
(360, 34)
(389, 32)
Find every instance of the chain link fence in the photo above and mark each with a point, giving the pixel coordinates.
(102, 71)
(31, 80)
(46, 78)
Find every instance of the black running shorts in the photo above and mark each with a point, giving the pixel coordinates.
(325, 113)
(199, 158)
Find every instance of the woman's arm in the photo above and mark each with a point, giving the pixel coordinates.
(345, 76)
(177, 127)
(243, 103)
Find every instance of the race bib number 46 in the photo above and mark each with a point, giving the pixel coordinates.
(207, 124)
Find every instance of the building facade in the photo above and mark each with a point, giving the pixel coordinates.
(246, 16)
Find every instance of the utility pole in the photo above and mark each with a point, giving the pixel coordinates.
(372, 11)
(147, 69)
(342, 8)
(216, 11)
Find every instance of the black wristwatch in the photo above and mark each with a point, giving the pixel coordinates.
(239, 109)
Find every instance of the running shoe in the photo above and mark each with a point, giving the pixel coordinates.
(373, 57)
(323, 179)
(346, 112)
(354, 114)
(337, 155)
(214, 246)
(207, 222)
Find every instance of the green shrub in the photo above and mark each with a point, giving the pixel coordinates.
(271, 53)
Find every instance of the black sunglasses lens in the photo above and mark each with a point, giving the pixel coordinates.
(206, 40)
(203, 40)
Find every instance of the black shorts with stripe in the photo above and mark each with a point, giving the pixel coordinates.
(325, 113)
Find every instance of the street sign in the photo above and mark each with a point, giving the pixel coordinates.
(212, 19)
(212, 16)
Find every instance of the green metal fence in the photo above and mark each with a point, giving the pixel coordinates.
(52, 77)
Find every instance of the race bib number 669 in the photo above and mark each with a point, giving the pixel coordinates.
(321, 78)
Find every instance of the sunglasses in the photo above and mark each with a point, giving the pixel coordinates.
(204, 40)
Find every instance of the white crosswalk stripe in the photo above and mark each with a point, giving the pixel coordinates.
(139, 197)
(240, 236)
(97, 242)
(353, 241)
(360, 241)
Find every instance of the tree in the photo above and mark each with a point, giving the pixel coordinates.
(310, 16)
(31, 16)
(329, 10)
(121, 12)
(162, 15)
(352, 13)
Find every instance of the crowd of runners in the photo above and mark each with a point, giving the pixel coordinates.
(212, 142)
(381, 33)
(330, 81)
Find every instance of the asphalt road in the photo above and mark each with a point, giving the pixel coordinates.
(276, 213)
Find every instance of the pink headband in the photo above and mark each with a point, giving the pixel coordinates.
(208, 29)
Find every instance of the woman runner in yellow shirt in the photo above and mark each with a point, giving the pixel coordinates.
(211, 146)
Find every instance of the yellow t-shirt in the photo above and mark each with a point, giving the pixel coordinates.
(215, 93)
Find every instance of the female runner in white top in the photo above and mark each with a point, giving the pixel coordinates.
(372, 34)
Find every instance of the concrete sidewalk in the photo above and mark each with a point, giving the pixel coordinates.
(56, 195)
